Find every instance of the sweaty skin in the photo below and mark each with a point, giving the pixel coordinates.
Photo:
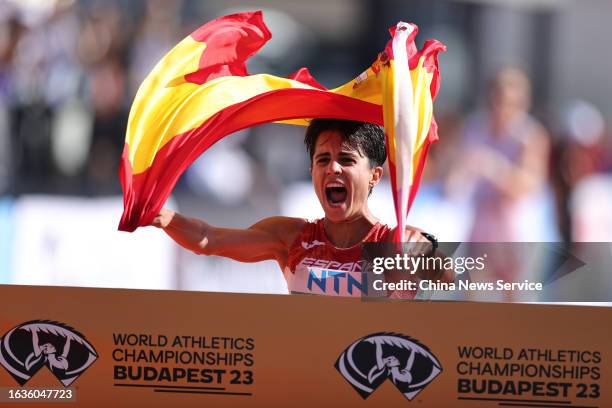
(346, 222)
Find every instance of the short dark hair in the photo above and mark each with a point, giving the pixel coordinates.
(367, 138)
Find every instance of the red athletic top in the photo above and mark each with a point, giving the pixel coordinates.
(316, 266)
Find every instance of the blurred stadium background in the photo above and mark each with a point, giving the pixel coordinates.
(69, 71)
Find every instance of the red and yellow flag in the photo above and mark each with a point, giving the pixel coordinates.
(201, 92)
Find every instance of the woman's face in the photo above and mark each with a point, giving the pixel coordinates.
(341, 177)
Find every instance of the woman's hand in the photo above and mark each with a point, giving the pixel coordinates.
(164, 218)
(418, 243)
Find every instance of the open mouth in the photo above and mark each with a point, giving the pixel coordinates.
(336, 193)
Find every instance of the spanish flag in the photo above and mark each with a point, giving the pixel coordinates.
(201, 92)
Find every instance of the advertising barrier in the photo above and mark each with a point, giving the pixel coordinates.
(86, 347)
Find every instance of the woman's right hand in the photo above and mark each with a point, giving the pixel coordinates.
(163, 219)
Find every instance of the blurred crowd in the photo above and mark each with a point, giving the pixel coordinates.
(69, 71)
(524, 179)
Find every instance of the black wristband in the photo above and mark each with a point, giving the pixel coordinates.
(434, 241)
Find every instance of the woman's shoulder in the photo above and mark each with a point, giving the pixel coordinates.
(286, 228)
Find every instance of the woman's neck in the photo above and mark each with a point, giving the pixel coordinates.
(347, 233)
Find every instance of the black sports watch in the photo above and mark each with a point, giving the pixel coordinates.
(434, 241)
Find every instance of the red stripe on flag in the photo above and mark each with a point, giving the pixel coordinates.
(230, 41)
(420, 166)
(303, 75)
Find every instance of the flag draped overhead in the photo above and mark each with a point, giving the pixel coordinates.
(201, 92)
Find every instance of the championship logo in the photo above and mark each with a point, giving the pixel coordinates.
(31, 345)
(373, 359)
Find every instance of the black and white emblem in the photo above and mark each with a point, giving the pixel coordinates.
(31, 345)
(373, 359)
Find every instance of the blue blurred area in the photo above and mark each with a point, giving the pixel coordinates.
(6, 238)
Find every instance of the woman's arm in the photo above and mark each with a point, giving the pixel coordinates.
(268, 239)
